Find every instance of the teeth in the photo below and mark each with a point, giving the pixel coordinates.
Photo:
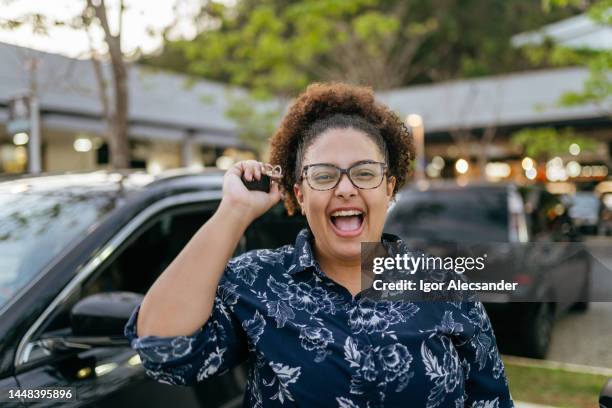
(346, 213)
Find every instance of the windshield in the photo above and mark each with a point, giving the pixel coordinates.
(457, 215)
(35, 227)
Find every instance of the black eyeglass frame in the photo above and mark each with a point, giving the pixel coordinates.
(345, 171)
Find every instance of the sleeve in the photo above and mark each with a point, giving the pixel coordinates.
(219, 345)
(486, 384)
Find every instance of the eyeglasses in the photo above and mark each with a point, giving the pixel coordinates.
(364, 175)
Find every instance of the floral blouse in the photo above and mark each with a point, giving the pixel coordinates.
(309, 343)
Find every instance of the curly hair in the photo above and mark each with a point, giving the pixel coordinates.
(337, 105)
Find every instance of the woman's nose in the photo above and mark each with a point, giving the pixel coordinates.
(345, 188)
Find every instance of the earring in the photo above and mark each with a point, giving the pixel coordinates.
(303, 212)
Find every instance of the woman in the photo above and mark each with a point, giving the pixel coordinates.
(297, 313)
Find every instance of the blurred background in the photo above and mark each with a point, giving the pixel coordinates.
(514, 96)
(496, 89)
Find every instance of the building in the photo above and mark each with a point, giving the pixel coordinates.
(574, 32)
(473, 119)
(172, 122)
(175, 122)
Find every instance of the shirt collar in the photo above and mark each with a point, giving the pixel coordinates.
(303, 255)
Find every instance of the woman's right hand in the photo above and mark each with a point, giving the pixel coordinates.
(182, 298)
(250, 203)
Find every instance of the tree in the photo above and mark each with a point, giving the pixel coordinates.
(255, 119)
(546, 142)
(117, 116)
(277, 46)
(597, 89)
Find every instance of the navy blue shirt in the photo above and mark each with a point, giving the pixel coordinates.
(310, 343)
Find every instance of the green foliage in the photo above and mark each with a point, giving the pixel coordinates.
(548, 5)
(543, 143)
(256, 123)
(600, 12)
(277, 47)
(551, 55)
(277, 50)
(598, 86)
(597, 89)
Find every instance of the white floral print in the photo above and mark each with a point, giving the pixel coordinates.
(309, 342)
(377, 317)
(285, 376)
(315, 338)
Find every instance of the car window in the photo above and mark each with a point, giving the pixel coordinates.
(274, 229)
(37, 226)
(135, 265)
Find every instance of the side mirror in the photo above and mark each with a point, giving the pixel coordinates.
(103, 314)
(97, 321)
(605, 397)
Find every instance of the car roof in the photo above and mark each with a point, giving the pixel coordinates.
(111, 181)
(453, 185)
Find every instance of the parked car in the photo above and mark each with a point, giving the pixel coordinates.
(528, 237)
(77, 252)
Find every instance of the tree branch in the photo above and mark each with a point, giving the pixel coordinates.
(120, 29)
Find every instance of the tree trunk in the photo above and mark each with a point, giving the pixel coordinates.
(118, 137)
(120, 153)
(106, 108)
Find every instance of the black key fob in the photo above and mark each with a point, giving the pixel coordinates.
(263, 184)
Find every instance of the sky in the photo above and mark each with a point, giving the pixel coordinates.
(140, 17)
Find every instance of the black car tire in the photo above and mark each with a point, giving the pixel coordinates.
(584, 294)
(580, 307)
(538, 331)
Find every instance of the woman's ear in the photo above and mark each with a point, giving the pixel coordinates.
(297, 191)
(391, 185)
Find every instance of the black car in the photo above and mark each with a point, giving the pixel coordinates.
(75, 250)
(528, 237)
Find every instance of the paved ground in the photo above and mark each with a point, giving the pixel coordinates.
(586, 338)
(519, 404)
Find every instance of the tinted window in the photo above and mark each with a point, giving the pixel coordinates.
(451, 215)
(136, 264)
(274, 229)
(148, 253)
(36, 227)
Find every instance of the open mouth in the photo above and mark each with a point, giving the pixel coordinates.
(347, 222)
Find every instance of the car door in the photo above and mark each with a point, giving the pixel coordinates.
(113, 376)
(559, 258)
(274, 229)
(8, 398)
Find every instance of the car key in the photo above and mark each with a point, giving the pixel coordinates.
(263, 184)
